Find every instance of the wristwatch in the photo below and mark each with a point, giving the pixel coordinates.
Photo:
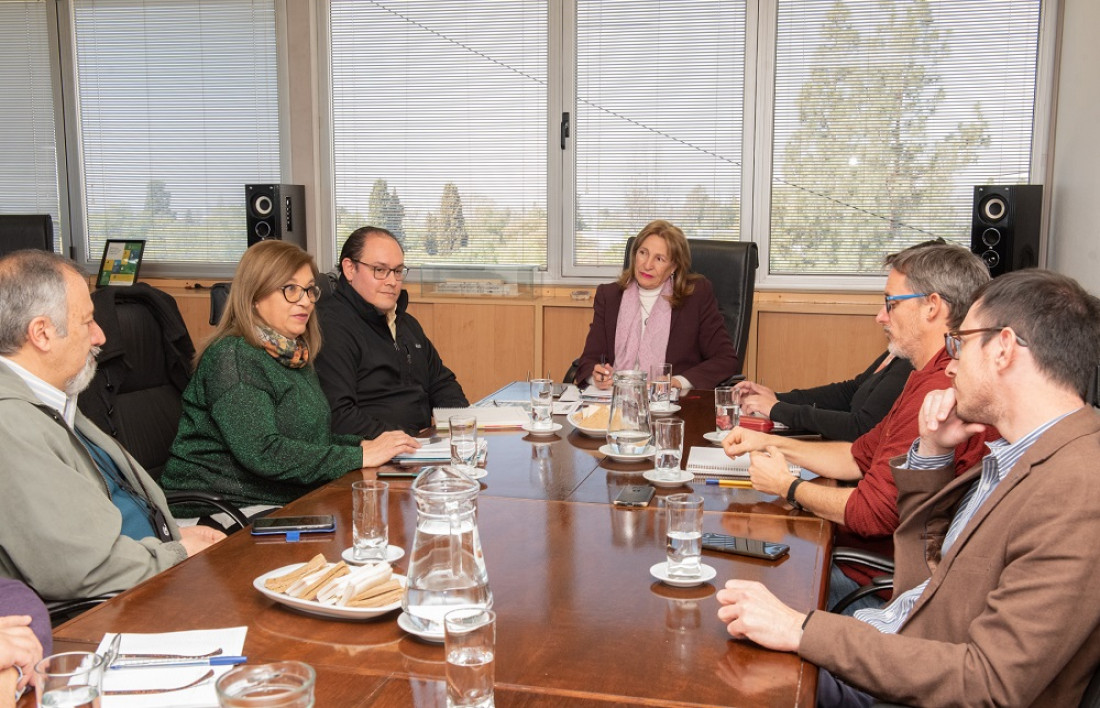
(790, 494)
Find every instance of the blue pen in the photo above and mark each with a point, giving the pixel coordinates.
(160, 663)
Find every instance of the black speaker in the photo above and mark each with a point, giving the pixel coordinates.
(276, 211)
(1005, 226)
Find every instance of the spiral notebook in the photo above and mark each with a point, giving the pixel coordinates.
(713, 462)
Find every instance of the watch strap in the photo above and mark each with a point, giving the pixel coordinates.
(790, 494)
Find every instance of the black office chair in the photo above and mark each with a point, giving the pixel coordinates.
(19, 231)
(846, 554)
(730, 266)
(219, 294)
(136, 395)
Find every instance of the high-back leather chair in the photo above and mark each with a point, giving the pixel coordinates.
(730, 266)
(19, 231)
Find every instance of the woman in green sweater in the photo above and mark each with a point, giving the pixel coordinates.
(255, 425)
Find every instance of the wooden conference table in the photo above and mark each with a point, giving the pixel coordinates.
(580, 621)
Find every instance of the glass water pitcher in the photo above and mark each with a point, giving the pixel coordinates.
(446, 566)
(628, 430)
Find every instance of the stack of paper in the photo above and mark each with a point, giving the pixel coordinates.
(487, 416)
(431, 452)
(193, 643)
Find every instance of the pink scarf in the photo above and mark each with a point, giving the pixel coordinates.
(630, 347)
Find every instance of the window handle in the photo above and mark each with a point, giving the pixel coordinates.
(564, 129)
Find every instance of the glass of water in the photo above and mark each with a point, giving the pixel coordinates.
(685, 535)
(469, 640)
(285, 684)
(660, 387)
(542, 402)
(463, 430)
(70, 680)
(369, 507)
(727, 408)
(668, 436)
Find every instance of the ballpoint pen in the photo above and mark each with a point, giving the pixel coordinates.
(161, 663)
(738, 483)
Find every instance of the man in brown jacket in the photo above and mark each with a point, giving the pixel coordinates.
(997, 589)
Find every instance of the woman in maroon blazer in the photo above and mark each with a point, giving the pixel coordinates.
(658, 311)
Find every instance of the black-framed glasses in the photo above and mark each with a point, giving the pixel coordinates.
(890, 301)
(383, 272)
(294, 292)
(952, 341)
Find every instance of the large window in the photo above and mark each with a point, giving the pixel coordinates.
(178, 110)
(439, 126)
(830, 131)
(28, 168)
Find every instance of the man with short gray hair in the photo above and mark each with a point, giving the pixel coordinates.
(928, 290)
(79, 517)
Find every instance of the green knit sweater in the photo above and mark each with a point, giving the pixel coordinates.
(254, 431)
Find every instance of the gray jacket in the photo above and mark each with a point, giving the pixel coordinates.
(59, 530)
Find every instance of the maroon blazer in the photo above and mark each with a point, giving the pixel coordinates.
(699, 347)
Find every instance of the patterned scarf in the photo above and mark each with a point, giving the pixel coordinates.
(630, 347)
(291, 353)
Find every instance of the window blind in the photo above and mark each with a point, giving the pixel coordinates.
(886, 116)
(439, 126)
(658, 127)
(28, 170)
(178, 111)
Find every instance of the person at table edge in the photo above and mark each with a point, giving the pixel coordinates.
(996, 590)
(379, 370)
(255, 424)
(79, 517)
(928, 288)
(24, 638)
(658, 311)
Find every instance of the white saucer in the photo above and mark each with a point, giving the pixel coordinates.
(648, 454)
(478, 473)
(406, 624)
(652, 478)
(660, 571)
(672, 408)
(543, 431)
(392, 553)
(716, 437)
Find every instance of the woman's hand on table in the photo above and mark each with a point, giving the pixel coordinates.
(386, 446)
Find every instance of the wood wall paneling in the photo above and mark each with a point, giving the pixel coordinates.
(564, 331)
(798, 350)
(485, 345)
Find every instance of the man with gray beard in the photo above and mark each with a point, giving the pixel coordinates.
(79, 517)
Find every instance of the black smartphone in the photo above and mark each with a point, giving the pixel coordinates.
(402, 473)
(635, 496)
(303, 524)
(744, 546)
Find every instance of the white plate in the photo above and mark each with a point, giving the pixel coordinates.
(652, 478)
(716, 437)
(392, 553)
(405, 623)
(543, 431)
(648, 454)
(660, 571)
(590, 432)
(672, 408)
(317, 608)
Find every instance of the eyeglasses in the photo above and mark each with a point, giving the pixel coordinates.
(892, 300)
(952, 341)
(294, 293)
(383, 272)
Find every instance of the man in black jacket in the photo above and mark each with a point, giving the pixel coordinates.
(378, 368)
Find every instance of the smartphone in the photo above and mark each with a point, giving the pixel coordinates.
(303, 524)
(635, 496)
(752, 547)
(403, 473)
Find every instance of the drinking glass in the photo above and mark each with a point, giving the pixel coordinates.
(668, 435)
(70, 680)
(727, 408)
(469, 640)
(660, 387)
(685, 535)
(542, 402)
(285, 684)
(369, 506)
(463, 430)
